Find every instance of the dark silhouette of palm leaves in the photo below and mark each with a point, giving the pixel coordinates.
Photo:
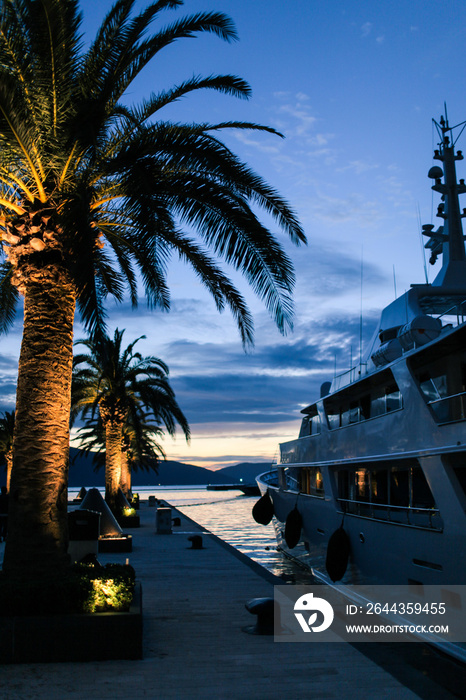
(122, 190)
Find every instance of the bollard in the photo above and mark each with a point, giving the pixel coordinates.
(152, 501)
(196, 542)
(268, 615)
(176, 522)
(164, 521)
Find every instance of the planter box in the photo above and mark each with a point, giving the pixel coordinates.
(126, 521)
(124, 543)
(87, 637)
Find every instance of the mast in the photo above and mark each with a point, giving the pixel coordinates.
(448, 239)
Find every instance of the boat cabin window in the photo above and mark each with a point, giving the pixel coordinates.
(310, 481)
(376, 398)
(397, 492)
(288, 478)
(458, 462)
(441, 379)
(311, 423)
(306, 480)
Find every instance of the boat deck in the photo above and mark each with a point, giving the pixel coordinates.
(195, 647)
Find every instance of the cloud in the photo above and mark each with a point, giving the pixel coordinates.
(366, 29)
(255, 143)
(358, 167)
(354, 207)
(268, 386)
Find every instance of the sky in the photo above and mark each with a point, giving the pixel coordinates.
(353, 85)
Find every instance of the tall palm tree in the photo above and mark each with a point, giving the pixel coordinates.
(119, 386)
(7, 426)
(95, 197)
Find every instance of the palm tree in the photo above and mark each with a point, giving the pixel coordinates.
(7, 426)
(95, 197)
(120, 386)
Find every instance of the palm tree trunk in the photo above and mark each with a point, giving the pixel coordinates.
(125, 477)
(9, 466)
(38, 526)
(113, 440)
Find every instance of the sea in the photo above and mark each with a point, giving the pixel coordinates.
(228, 514)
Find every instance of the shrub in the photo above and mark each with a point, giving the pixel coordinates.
(82, 588)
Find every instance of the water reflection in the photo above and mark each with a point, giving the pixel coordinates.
(227, 514)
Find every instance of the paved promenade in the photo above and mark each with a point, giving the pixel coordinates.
(195, 647)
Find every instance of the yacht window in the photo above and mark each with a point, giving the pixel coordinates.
(461, 476)
(310, 425)
(397, 492)
(393, 399)
(291, 478)
(382, 398)
(362, 479)
(399, 487)
(310, 481)
(421, 495)
(378, 405)
(442, 381)
(379, 486)
(458, 462)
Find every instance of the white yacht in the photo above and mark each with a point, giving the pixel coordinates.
(380, 461)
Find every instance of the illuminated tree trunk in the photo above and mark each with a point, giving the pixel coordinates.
(38, 527)
(113, 439)
(125, 478)
(9, 465)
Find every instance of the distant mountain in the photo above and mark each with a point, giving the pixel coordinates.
(170, 473)
(246, 471)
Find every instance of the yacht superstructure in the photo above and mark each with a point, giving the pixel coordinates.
(381, 454)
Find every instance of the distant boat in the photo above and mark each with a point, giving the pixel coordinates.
(373, 491)
(247, 489)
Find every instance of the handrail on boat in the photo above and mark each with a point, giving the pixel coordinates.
(356, 372)
(457, 411)
(408, 510)
(454, 309)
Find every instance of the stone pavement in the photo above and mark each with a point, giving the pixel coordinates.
(195, 646)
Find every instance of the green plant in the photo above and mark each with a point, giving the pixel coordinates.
(84, 588)
(110, 588)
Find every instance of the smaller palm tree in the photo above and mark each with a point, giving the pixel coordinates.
(7, 426)
(118, 385)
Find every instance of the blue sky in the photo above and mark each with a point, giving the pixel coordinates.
(353, 86)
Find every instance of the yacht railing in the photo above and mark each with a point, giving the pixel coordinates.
(270, 477)
(455, 310)
(352, 375)
(349, 376)
(402, 515)
(449, 409)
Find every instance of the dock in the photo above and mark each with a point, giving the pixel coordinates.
(195, 646)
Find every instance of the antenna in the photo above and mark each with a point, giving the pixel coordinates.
(422, 244)
(394, 280)
(360, 312)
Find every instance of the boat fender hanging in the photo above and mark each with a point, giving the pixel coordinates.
(338, 549)
(293, 526)
(262, 511)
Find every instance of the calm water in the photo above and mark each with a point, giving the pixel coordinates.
(227, 514)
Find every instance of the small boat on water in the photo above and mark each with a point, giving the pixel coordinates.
(247, 489)
(373, 490)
